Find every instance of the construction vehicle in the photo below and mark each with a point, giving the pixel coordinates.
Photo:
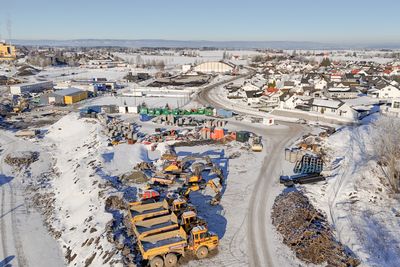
(148, 194)
(188, 220)
(139, 211)
(155, 225)
(214, 184)
(163, 178)
(163, 249)
(20, 105)
(256, 145)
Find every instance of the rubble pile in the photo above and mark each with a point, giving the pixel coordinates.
(306, 231)
(21, 159)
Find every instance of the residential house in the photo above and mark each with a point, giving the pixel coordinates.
(393, 109)
(389, 91)
(333, 108)
(342, 92)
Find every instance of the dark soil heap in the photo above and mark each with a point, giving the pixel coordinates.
(306, 231)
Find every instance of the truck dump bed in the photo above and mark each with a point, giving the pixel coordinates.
(156, 225)
(162, 243)
(139, 211)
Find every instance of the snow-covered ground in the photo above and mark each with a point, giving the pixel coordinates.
(357, 200)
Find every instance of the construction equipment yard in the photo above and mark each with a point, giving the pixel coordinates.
(189, 179)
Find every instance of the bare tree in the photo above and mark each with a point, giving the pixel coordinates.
(386, 139)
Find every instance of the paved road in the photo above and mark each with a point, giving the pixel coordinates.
(260, 251)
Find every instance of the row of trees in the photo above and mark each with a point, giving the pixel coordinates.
(386, 140)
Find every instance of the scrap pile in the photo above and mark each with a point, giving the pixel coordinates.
(21, 159)
(174, 120)
(119, 131)
(306, 231)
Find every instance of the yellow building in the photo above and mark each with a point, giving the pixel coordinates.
(71, 99)
(69, 96)
(7, 52)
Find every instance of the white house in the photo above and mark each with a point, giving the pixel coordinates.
(393, 110)
(321, 84)
(389, 91)
(333, 108)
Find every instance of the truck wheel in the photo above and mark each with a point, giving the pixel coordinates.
(157, 262)
(202, 253)
(171, 260)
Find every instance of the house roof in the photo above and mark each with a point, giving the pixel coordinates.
(326, 103)
(68, 91)
(253, 94)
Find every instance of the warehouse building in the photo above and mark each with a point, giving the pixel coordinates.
(215, 67)
(27, 88)
(64, 97)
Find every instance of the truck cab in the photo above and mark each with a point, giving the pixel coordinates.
(201, 241)
(189, 220)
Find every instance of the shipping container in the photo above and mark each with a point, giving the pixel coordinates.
(224, 113)
(242, 136)
(145, 117)
(143, 111)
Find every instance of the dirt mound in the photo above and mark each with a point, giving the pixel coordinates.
(306, 231)
(115, 203)
(135, 177)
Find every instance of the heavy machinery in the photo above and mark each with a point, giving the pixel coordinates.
(163, 249)
(188, 220)
(148, 194)
(214, 184)
(20, 105)
(256, 144)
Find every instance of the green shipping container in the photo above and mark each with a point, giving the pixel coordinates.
(166, 111)
(143, 111)
(157, 111)
(151, 111)
(209, 112)
(242, 136)
(201, 111)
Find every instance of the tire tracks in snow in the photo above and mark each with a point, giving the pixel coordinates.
(3, 225)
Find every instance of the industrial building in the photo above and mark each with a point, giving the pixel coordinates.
(7, 52)
(214, 67)
(64, 97)
(26, 88)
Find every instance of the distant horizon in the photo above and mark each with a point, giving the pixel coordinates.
(256, 20)
(234, 44)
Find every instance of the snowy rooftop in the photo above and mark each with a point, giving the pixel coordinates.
(327, 103)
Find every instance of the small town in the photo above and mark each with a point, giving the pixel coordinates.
(136, 151)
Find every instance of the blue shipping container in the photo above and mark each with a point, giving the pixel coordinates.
(224, 113)
(145, 117)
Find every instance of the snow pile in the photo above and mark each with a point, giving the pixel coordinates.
(358, 200)
(124, 157)
(79, 217)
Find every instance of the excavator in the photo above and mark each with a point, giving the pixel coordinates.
(20, 105)
(201, 184)
(174, 166)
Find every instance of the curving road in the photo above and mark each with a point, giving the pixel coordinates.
(260, 252)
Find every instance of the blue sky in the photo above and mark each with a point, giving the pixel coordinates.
(220, 20)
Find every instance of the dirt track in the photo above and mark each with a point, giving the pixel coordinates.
(259, 249)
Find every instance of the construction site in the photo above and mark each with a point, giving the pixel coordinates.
(157, 168)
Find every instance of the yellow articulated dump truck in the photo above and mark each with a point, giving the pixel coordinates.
(139, 211)
(163, 249)
(155, 225)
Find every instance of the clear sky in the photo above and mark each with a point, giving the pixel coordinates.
(220, 20)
